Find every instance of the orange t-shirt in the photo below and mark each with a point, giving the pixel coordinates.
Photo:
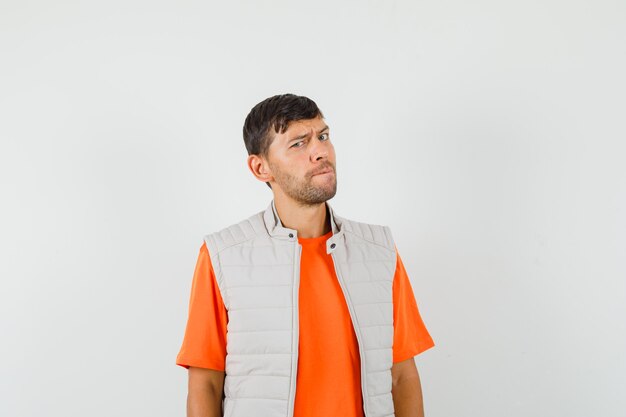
(328, 381)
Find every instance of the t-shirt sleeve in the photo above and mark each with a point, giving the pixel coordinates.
(204, 343)
(410, 335)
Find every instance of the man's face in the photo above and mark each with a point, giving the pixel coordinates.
(297, 156)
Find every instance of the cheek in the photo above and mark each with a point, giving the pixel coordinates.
(331, 152)
(293, 166)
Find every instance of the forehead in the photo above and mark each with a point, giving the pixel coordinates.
(304, 126)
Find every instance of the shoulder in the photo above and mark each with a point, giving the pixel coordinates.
(235, 234)
(377, 234)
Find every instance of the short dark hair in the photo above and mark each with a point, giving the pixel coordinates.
(275, 112)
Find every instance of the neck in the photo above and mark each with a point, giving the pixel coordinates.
(309, 220)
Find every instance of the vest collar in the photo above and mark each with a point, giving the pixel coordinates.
(276, 229)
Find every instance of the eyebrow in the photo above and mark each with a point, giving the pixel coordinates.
(306, 134)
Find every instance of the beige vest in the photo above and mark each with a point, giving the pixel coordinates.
(257, 266)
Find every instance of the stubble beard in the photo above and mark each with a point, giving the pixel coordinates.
(304, 191)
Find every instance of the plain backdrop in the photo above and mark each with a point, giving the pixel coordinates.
(489, 135)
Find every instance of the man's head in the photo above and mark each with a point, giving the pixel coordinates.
(288, 143)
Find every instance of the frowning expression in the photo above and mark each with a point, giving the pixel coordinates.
(302, 162)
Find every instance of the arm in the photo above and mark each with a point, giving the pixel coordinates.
(406, 389)
(203, 351)
(204, 398)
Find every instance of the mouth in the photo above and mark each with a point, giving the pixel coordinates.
(326, 171)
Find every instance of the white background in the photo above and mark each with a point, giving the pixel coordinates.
(489, 136)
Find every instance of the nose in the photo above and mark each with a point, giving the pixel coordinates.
(319, 150)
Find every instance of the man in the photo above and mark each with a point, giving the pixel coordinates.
(296, 311)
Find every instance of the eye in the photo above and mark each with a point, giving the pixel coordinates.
(294, 145)
(324, 135)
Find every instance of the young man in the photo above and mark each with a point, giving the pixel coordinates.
(296, 311)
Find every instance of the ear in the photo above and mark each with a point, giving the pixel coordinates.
(260, 168)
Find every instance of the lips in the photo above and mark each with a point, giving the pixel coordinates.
(326, 171)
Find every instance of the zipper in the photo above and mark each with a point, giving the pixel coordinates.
(357, 331)
(295, 325)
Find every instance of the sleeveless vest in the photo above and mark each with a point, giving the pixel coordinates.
(257, 267)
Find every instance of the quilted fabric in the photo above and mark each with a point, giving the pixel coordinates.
(257, 266)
